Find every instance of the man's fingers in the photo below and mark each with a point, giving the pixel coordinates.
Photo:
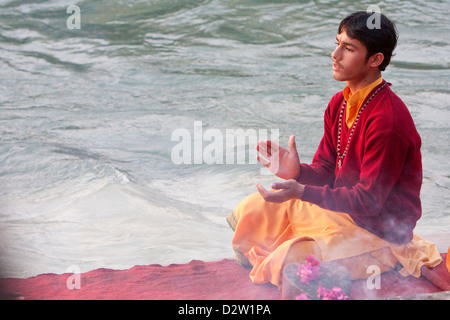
(263, 148)
(267, 147)
(263, 192)
(281, 191)
(263, 161)
(276, 186)
(280, 185)
(267, 195)
(262, 151)
(292, 145)
(270, 196)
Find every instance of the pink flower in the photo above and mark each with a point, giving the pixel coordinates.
(309, 271)
(302, 297)
(312, 260)
(334, 294)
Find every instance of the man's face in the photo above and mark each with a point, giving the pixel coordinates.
(349, 59)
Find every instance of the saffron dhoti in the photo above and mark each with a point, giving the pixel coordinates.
(269, 235)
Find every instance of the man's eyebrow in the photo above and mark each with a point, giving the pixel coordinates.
(346, 43)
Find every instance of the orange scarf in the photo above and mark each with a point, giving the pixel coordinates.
(355, 101)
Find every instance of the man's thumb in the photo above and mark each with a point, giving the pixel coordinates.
(292, 145)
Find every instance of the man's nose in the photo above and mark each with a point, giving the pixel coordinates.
(335, 54)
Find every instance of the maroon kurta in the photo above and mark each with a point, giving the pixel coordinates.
(379, 182)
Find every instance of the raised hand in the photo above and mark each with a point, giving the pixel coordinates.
(280, 161)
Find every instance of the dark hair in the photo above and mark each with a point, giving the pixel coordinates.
(376, 38)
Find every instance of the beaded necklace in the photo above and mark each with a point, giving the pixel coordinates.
(342, 156)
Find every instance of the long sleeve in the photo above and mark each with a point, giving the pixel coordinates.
(381, 168)
(379, 182)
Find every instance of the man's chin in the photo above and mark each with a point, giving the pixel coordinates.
(338, 77)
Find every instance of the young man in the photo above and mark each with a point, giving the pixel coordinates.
(358, 202)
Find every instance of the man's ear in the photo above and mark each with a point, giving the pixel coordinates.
(376, 59)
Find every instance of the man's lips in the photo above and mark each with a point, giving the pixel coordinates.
(337, 66)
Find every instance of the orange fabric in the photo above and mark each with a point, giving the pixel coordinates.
(448, 260)
(267, 236)
(354, 101)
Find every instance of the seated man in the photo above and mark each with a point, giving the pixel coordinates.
(358, 202)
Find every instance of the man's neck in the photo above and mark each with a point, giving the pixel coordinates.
(355, 86)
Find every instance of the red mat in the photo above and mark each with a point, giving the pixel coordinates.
(219, 280)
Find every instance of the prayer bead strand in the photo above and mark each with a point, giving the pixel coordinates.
(341, 157)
